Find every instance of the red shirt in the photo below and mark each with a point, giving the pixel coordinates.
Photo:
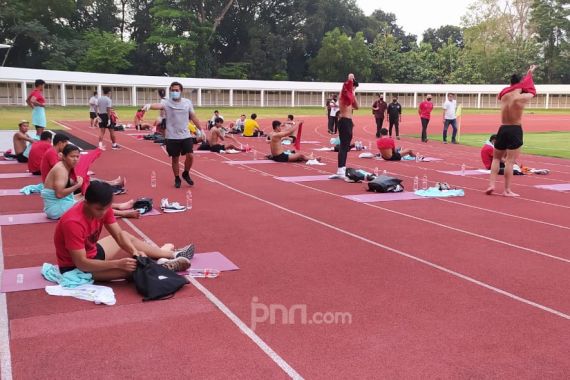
(37, 152)
(49, 160)
(425, 109)
(76, 231)
(39, 96)
(487, 155)
(385, 143)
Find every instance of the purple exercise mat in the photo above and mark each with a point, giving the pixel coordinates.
(556, 187)
(153, 212)
(9, 162)
(16, 175)
(467, 172)
(430, 159)
(33, 218)
(5, 192)
(212, 260)
(383, 197)
(250, 162)
(30, 279)
(304, 178)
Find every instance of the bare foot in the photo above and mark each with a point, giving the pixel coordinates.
(126, 205)
(509, 193)
(132, 214)
(490, 190)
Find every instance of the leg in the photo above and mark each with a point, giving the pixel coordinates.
(454, 135)
(129, 214)
(112, 134)
(445, 127)
(331, 124)
(424, 129)
(511, 158)
(188, 161)
(407, 152)
(101, 134)
(175, 165)
(378, 126)
(397, 126)
(497, 157)
(345, 134)
(390, 128)
(123, 206)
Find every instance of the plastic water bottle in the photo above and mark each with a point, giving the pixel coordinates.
(462, 169)
(424, 182)
(204, 273)
(20, 278)
(189, 200)
(416, 183)
(376, 172)
(417, 157)
(153, 179)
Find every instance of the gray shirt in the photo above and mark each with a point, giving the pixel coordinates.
(177, 117)
(103, 103)
(93, 104)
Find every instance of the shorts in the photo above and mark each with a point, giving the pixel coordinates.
(283, 157)
(99, 256)
(217, 148)
(204, 146)
(104, 123)
(509, 137)
(396, 156)
(175, 148)
(92, 115)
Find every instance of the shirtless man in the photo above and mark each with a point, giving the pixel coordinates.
(218, 135)
(277, 152)
(347, 103)
(510, 134)
(387, 148)
(20, 141)
(59, 188)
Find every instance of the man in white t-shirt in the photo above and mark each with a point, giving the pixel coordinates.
(333, 109)
(93, 109)
(449, 118)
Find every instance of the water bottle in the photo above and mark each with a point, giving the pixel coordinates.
(462, 169)
(189, 200)
(376, 172)
(20, 278)
(416, 183)
(417, 157)
(424, 182)
(153, 179)
(204, 273)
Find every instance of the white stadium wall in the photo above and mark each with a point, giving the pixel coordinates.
(74, 88)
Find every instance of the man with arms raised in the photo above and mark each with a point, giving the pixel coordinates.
(510, 135)
(347, 103)
(277, 152)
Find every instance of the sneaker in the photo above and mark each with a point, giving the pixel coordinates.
(171, 207)
(187, 252)
(119, 190)
(397, 137)
(102, 147)
(179, 264)
(187, 178)
(115, 147)
(177, 182)
(445, 141)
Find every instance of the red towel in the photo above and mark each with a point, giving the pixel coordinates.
(297, 144)
(347, 93)
(83, 165)
(526, 85)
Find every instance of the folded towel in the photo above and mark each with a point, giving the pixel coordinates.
(70, 279)
(30, 189)
(434, 192)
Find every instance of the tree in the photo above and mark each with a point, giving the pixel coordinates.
(106, 53)
(386, 55)
(442, 35)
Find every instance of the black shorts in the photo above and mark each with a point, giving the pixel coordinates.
(92, 115)
(204, 146)
(175, 148)
(217, 148)
(104, 123)
(99, 256)
(396, 156)
(21, 158)
(509, 137)
(283, 157)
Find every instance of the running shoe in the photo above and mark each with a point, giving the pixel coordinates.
(179, 264)
(187, 178)
(187, 252)
(171, 207)
(116, 147)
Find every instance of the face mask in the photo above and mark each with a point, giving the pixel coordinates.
(394, 101)
(429, 99)
(174, 95)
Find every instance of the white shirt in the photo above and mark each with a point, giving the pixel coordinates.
(93, 104)
(334, 108)
(449, 107)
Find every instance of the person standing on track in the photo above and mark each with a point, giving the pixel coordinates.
(37, 101)
(510, 135)
(178, 139)
(424, 110)
(379, 111)
(347, 103)
(395, 116)
(104, 108)
(450, 118)
(332, 109)
(93, 109)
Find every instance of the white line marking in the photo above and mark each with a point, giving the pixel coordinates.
(234, 318)
(5, 355)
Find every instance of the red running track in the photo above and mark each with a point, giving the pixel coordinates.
(462, 287)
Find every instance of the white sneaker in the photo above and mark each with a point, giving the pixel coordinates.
(115, 147)
(171, 207)
(163, 203)
(101, 146)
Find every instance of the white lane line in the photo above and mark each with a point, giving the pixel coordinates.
(5, 355)
(234, 318)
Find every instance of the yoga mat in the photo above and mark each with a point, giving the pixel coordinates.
(467, 172)
(212, 260)
(311, 142)
(304, 178)
(202, 151)
(29, 279)
(16, 175)
(430, 159)
(153, 212)
(33, 218)
(383, 197)
(8, 162)
(250, 162)
(323, 150)
(556, 187)
(6, 192)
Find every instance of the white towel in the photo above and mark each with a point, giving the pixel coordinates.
(95, 293)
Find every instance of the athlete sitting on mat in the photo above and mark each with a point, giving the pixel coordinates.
(388, 150)
(278, 154)
(217, 135)
(60, 187)
(20, 139)
(77, 243)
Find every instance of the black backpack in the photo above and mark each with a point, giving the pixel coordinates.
(144, 204)
(385, 184)
(357, 176)
(155, 282)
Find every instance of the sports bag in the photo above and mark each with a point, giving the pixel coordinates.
(143, 204)
(354, 175)
(385, 184)
(155, 282)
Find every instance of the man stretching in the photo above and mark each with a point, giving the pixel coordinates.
(77, 243)
(178, 139)
(388, 149)
(277, 152)
(510, 135)
(217, 135)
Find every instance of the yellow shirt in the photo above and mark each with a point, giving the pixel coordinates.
(249, 127)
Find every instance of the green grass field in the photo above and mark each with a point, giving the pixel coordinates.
(554, 144)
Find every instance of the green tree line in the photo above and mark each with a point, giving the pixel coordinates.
(309, 40)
